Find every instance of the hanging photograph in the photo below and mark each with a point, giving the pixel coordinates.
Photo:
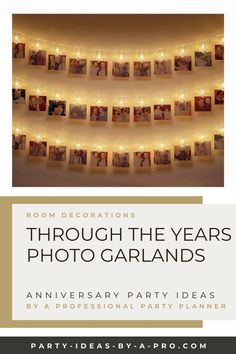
(120, 69)
(203, 59)
(38, 148)
(202, 148)
(183, 108)
(56, 62)
(37, 103)
(219, 52)
(98, 113)
(142, 159)
(182, 153)
(78, 157)
(98, 68)
(18, 96)
(162, 67)
(120, 114)
(142, 69)
(219, 142)
(219, 97)
(57, 153)
(99, 159)
(120, 159)
(162, 112)
(183, 63)
(142, 114)
(57, 108)
(18, 50)
(202, 103)
(37, 57)
(18, 141)
(78, 111)
(162, 157)
(77, 66)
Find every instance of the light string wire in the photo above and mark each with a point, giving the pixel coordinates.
(17, 35)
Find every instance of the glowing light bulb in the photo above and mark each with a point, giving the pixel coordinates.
(182, 51)
(182, 142)
(141, 56)
(183, 96)
(17, 131)
(121, 56)
(222, 85)
(222, 129)
(162, 146)
(223, 39)
(57, 95)
(203, 46)
(78, 146)
(57, 50)
(162, 55)
(37, 45)
(99, 147)
(37, 91)
(141, 102)
(99, 56)
(38, 137)
(98, 102)
(57, 142)
(162, 99)
(17, 84)
(203, 92)
(121, 103)
(78, 54)
(202, 137)
(121, 147)
(141, 147)
(16, 38)
(78, 99)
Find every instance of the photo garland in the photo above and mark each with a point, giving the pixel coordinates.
(120, 114)
(119, 69)
(99, 158)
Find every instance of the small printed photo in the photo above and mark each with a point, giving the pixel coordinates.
(219, 97)
(99, 159)
(142, 159)
(120, 69)
(142, 68)
(37, 103)
(37, 57)
(98, 113)
(182, 153)
(219, 52)
(57, 153)
(78, 111)
(202, 148)
(120, 159)
(120, 114)
(78, 66)
(183, 108)
(203, 104)
(98, 68)
(18, 142)
(18, 50)
(162, 112)
(57, 108)
(18, 96)
(142, 114)
(219, 142)
(203, 59)
(162, 157)
(78, 157)
(56, 62)
(183, 63)
(38, 148)
(162, 67)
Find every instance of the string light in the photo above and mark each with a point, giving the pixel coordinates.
(37, 91)
(37, 45)
(78, 99)
(121, 103)
(99, 56)
(141, 102)
(203, 46)
(17, 131)
(183, 51)
(78, 146)
(203, 92)
(162, 100)
(16, 39)
(16, 84)
(99, 101)
(57, 95)
(141, 147)
(78, 55)
(121, 148)
(37, 137)
(57, 142)
(57, 50)
(121, 56)
(141, 57)
(162, 55)
(99, 147)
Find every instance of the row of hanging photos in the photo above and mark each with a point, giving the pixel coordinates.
(39, 94)
(99, 54)
(142, 156)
